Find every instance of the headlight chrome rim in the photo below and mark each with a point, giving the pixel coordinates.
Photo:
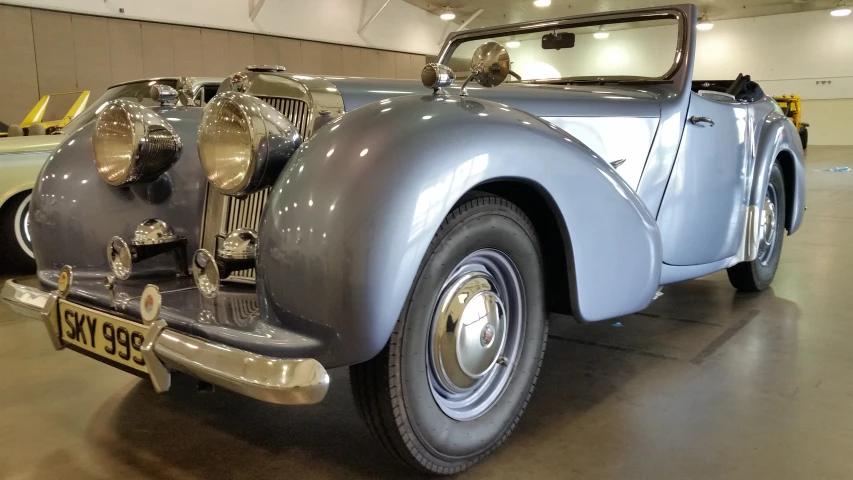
(269, 140)
(150, 145)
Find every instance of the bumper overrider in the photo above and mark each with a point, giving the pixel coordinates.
(273, 380)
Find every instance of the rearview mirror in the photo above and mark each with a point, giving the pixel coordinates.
(556, 41)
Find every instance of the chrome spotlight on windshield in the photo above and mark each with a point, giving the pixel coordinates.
(437, 76)
(244, 143)
(151, 238)
(133, 143)
(166, 95)
(489, 66)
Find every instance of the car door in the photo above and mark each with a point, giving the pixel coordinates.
(702, 215)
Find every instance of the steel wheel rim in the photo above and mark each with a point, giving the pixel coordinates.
(465, 379)
(767, 232)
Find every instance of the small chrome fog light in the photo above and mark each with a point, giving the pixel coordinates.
(119, 258)
(241, 244)
(238, 251)
(206, 273)
(153, 232)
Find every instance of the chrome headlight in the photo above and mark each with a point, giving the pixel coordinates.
(243, 143)
(133, 143)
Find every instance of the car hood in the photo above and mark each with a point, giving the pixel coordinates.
(36, 143)
(539, 100)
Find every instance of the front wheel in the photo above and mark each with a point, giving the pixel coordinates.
(15, 241)
(757, 275)
(459, 368)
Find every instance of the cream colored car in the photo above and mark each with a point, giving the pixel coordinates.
(21, 159)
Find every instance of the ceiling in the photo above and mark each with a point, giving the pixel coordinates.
(497, 12)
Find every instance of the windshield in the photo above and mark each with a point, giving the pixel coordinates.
(139, 92)
(627, 51)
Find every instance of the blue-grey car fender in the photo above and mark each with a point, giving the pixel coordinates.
(780, 141)
(349, 220)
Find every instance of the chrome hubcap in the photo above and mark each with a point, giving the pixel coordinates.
(470, 332)
(475, 336)
(768, 226)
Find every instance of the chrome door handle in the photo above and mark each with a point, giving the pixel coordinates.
(695, 120)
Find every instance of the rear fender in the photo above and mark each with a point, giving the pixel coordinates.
(349, 220)
(780, 141)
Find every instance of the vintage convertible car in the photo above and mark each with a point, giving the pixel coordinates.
(418, 236)
(22, 157)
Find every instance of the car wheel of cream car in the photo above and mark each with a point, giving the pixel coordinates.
(457, 373)
(15, 240)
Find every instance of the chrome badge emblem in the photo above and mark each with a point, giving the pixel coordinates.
(149, 304)
(64, 282)
(487, 335)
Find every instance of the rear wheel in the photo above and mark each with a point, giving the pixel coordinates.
(756, 275)
(16, 244)
(459, 368)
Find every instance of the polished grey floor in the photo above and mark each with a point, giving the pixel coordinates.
(705, 384)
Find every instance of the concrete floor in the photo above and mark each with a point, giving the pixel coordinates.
(705, 384)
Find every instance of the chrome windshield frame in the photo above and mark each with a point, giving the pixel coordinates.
(684, 14)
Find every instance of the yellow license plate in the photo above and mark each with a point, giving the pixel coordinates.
(102, 334)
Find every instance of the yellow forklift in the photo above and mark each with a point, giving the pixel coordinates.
(52, 112)
(792, 106)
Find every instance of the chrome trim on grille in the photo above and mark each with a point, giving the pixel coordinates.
(296, 111)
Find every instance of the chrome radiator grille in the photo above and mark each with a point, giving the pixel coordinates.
(246, 212)
(295, 110)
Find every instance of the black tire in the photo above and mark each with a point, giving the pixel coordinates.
(757, 275)
(393, 390)
(15, 243)
(804, 137)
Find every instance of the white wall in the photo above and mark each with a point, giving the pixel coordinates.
(785, 53)
(401, 26)
(789, 54)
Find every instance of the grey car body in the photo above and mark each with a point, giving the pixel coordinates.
(345, 227)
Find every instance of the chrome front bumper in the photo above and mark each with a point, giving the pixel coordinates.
(274, 380)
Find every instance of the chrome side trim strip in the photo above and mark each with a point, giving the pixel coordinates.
(274, 380)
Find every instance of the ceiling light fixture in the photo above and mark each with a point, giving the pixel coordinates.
(841, 10)
(704, 23)
(542, 3)
(601, 34)
(447, 15)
